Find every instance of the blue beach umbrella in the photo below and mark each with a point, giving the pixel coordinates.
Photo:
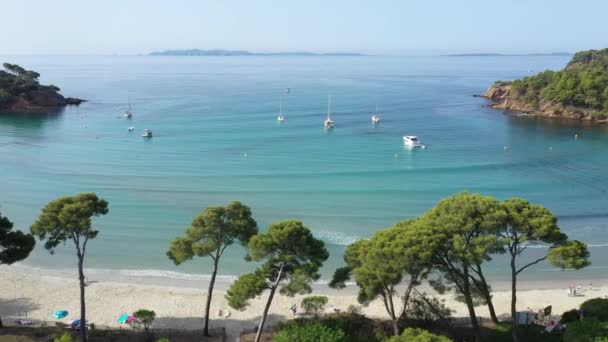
(124, 318)
(60, 314)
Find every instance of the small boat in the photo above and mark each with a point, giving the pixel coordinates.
(281, 116)
(147, 133)
(328, 123)
(131, 129)
(288, 90)
(127, 113)
(412, 141)
(376, 117)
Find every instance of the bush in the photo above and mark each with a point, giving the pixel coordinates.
(354, 310)
(418, 335)
(308, 331)
(67, 337)
(164, 339)
(427, 310)
(587, 330)
(143, 318)
(596, 307)
(570, 316)
(314, 305)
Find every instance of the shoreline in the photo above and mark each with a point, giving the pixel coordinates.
(179, 303)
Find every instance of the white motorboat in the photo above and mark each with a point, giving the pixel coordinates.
(412, 141)
(328, 123)
(147, 133)
(376, 117)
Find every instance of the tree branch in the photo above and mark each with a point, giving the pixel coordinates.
(530, 264)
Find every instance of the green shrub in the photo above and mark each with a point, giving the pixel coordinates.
(143, 318)
(354, 310)
(67, 337)
(596, 307)
(164, 339)
(570, 316)
(309, 331)
(418, 335)
(314, 305)
(587, 330)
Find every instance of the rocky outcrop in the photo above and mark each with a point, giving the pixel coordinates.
(502, 97)
(41, 99)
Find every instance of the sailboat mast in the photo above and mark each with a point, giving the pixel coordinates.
(328, 107)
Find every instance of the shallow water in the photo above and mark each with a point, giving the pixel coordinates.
(216, 139)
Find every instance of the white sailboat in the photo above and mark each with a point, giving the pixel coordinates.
(281, 116)
(376, 117)
(329, 124)
(127, 114)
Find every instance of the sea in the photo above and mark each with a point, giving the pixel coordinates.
(217, 139)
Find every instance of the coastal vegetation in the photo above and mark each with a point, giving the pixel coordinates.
(448, 246)
(210, 233)
(21, 90)
(580, 91)
(290, 255)
(14, 245)
(69, 218)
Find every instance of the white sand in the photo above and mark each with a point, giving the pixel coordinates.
(179, 304)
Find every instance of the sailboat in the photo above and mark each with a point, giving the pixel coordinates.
(329, 124)
(376, 117)
(281, 116)
(127, 114)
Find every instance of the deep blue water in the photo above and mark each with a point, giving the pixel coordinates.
(216, 139)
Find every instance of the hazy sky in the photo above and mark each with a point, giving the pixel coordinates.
(380, 26)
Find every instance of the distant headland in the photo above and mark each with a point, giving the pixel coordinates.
(579, 92)
(199, 52)
(491, 54)
(21, 91)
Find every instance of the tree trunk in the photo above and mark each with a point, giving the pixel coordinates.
(273, 289)
(486, 293)
(394, 318)
(209, 294)
(83, 321)
(469, 300)
(513, 300)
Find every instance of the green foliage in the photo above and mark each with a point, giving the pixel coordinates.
(16, 81)
(353, 309)
(14, 245)
(572, 255)
(212, 231)
(69, 218)
(309, 331)
(596, 308)
(570, 316)
(163, 339)
(66, 337)
(583, 83)
(246, 287)
(587, 330)
(418, 335)
(143, 318)
(314, 305)
(536, 333)
(427, 310)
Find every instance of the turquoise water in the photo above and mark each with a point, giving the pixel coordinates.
(216, 139)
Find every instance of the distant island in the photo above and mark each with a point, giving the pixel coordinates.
(199, 52)
(21, 91)
(580, 91)
(491, 54)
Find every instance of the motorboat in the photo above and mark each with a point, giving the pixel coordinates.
(131, 129)
(147, 133)
(412, 141)
(328, 123)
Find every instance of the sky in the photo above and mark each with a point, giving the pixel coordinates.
(368, 26)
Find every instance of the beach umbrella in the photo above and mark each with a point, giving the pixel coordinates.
(124, 318)
(60, 314)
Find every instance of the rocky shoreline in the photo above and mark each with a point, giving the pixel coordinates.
(42, 99)
(502, 97)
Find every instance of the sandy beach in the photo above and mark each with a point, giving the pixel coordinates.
(179, 303)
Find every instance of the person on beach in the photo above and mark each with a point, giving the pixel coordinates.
(294, 309)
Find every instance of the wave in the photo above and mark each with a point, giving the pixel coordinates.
(337, 238)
